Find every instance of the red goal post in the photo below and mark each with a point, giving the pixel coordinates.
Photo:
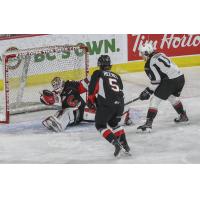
(26, 72)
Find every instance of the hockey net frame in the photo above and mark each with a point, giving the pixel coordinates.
(29, 52)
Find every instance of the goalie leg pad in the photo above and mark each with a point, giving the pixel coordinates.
(52, 123)
(61, 119)
(46, 124)
(66, 117)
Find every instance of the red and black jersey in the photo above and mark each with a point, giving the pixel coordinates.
(107, 86)
(70, 95)
(80, 86)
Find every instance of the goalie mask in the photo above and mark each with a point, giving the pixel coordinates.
(145, 50)
(57, 84)
(104, 62)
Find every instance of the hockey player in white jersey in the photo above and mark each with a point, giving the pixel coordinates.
(167, 82)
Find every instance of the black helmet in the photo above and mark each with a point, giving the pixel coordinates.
(104, 62)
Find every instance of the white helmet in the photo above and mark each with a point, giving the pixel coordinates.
(145, 50)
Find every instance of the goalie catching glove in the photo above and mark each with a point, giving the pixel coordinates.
(48, 98)
(145, 95)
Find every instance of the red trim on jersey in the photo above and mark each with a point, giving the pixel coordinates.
(106, 133)
(92, 97)
(119, 133)
(81, 88)
(154, 110)
(96, 90)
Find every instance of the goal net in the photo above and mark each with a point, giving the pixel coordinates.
(25, 73)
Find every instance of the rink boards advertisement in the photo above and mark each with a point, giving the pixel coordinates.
(112, 44)
(122, 48)
(170, 44)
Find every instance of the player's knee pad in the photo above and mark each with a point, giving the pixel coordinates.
(173, 100)
(155, 102)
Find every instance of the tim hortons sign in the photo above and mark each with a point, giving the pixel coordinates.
(170, 44)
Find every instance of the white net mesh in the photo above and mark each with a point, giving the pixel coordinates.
(32, 70)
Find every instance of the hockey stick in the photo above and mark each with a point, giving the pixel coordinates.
(126, 113)
(129, 102)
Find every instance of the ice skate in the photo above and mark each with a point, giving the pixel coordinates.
(182, 118)
(124, 143)
(126, 148)
(118, 148)
(146, 128)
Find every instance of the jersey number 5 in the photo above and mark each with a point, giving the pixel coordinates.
(113, 84)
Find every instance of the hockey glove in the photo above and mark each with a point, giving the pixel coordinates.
(145, 95)
(47, 97)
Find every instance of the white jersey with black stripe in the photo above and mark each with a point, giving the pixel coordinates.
(160, 67)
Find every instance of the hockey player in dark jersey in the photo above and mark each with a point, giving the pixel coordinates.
(167, 82)
(67, 96)
(105, 92)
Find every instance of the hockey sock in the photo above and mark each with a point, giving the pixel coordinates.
(122, 139)
(120, 134)
(151, 114)
(108, 135)
(118, 131)
(179, 108)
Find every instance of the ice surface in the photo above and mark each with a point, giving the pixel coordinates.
(25, 140)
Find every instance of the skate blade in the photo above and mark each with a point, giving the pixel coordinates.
(123, 153)
(127, 153)
(183, 123)
(148, 130)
